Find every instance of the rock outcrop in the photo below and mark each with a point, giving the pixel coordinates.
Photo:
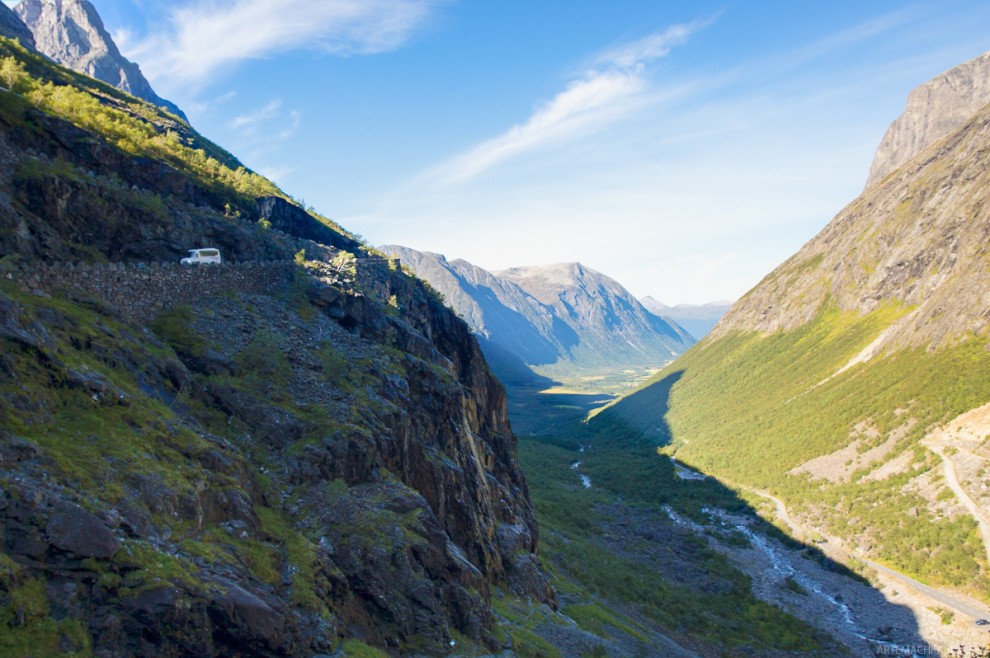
(934, 110)
(13, 27)
(72, 33)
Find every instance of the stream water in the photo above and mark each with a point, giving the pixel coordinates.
(781, 564)
(585, 480)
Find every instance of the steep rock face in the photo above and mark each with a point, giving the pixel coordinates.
(919, 238)
(268, 472)
(12, 26)
(292, 219)
(934, 110)
(119, 213)
(380, 502)
(613, 325)
(72, 33)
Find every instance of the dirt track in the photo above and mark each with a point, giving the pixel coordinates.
(922, 600)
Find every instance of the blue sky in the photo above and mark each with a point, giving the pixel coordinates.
(684, 148)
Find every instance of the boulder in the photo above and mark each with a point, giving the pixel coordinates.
(74, 530)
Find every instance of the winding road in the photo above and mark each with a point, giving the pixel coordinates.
(832, 547)
(953, 481)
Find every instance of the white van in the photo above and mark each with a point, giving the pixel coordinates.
(208, 256)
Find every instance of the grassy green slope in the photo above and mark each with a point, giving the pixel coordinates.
(128, 123)
(749, 408)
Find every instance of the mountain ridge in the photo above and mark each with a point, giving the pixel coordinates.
(12, 26)
(585, 295)
(523, 323)
(934, 268)
(264, 470)
(697, 319)
(584, 320)
(933, 110)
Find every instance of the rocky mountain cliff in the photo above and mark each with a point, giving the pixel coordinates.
(917, 240)
(584, 320)
(697, 319)
(934, 110)
(853, 381)
(72, 33)
(279, 467)
(13, 27)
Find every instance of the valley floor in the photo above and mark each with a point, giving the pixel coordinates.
(691, 537)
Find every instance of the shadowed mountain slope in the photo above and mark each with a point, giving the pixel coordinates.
(13, 27)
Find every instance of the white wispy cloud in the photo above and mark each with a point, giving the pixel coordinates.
(265, 127)
(605, 91)
(203, 36)
(580, 107)
(200, 107)
(277, 173)
(637, 53)
(250, 121)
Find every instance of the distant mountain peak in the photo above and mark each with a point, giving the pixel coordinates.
(548, 282)
(562, 273)
(653, 305)
(561, 315)
(697, 319)
(72, 33)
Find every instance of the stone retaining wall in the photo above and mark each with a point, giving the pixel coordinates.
(140, 291)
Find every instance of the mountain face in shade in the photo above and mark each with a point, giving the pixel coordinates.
(933, 110)
(12, 26)
(697, 319)
(501, 314)
(72, 33)
(561, 315)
